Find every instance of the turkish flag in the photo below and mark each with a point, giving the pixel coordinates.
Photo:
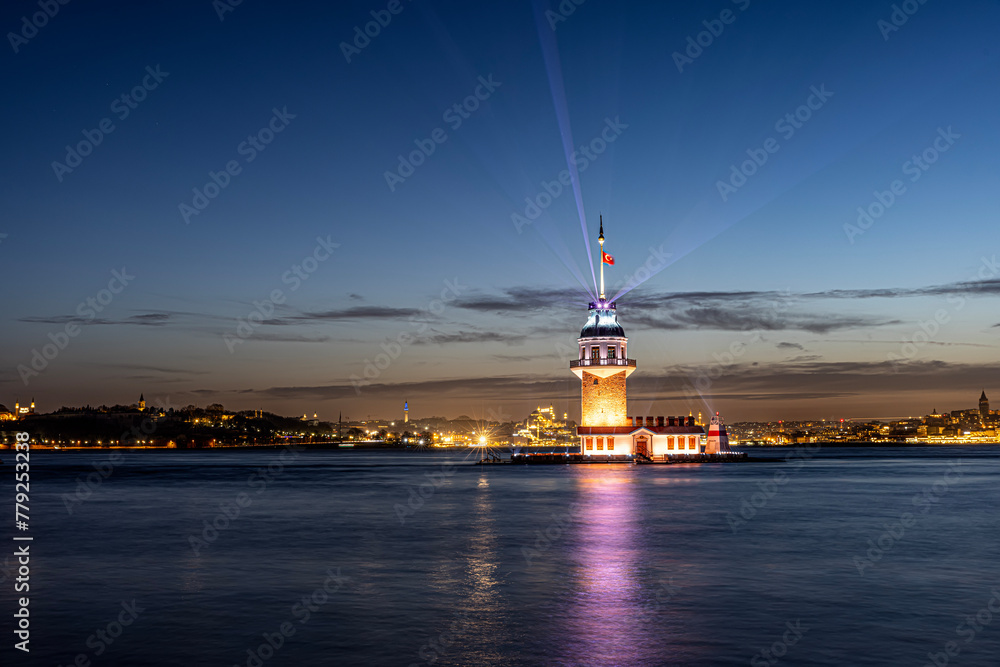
(607, 259)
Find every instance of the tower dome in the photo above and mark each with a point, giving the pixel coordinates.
(602, 321)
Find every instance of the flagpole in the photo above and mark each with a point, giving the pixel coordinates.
(600, 239)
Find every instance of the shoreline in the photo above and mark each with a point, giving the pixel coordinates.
(336, 446)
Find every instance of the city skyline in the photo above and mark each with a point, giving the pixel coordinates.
(800, 207)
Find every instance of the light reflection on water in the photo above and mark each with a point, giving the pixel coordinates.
(605, 560)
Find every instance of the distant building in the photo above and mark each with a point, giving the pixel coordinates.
(984, 408)
(23, 411)
(542, 427)
(6, 415)
(142, 402)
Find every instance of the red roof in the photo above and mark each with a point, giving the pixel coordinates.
(629, 430)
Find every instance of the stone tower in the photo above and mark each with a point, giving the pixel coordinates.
(603, 364)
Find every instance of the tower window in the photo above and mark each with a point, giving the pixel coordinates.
(590, 443)
(611, 444)
(611, 352)
(600, 444)
(595, 353)
(595, 381)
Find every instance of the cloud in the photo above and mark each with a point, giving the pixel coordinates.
(524, 300)
(767, 310)
(144, 319)
(790, 346)
(805, 378)
(354, 313)
(807, 375)
(154, 369)
(469, 337)
(288, 338)
(467, 388)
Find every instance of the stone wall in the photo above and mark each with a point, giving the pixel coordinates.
(604, 403)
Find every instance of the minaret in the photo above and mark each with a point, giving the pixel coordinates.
(603, 364)
(406, 412)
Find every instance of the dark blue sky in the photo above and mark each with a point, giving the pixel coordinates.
(813, 310)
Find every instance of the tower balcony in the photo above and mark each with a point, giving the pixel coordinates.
(601, 362)
(602, 367)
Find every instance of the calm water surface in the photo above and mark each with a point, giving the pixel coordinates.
(512, 565)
